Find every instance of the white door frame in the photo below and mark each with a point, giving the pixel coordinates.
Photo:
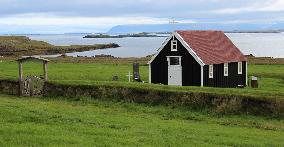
(177, 68)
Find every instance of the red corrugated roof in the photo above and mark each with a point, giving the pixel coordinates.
(212, 47)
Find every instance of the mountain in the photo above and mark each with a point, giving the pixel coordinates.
(194, 26)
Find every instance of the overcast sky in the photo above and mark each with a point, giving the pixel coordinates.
(59, 16)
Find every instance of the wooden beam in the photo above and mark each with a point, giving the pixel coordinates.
(20, 78)
(45, 71)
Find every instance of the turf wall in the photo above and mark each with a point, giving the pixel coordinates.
(217, 103)
(9, 87)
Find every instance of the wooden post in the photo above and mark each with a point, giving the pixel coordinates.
(45, 71)
(20, 78)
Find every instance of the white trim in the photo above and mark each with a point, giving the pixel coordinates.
(240, 66)
(226, 69)
(168, 59)
(160, 49)
(173, 56)
(211, 76)
(246, 73)
(150, 73)
(201, 76)
(178, 37)
(174, 43)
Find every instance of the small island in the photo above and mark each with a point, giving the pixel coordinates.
(143, 34)
(24, 46)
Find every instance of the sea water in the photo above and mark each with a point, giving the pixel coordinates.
(258, 44)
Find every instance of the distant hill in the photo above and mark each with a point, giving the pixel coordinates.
(194, 26)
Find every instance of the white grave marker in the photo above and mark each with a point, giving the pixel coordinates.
(129, 76)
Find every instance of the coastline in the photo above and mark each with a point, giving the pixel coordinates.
(121, 36)
(24, 46)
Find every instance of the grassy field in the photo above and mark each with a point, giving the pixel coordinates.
(271, 77)
(85, 122)
(88, 122)
(72, 71)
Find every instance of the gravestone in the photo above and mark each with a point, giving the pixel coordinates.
(254, 82)
(136, 74)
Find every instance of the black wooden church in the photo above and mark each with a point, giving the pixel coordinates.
(198, 58)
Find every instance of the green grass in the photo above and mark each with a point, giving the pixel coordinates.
(86, 122)
(271, 77)
(271, 71)
(72, 71)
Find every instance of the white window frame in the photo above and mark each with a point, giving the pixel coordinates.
(211, 71)
(168, 59)
(174, 43)
(226, 69)
(240, 68)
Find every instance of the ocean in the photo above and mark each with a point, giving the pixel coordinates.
(258, 44)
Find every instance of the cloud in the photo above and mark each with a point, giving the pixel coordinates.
(44, 19)
(47, 19)
(268, 6)
(50, 23)
(101, 8)
(101, 15)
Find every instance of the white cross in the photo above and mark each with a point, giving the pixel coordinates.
(129, 76)
(173, 22)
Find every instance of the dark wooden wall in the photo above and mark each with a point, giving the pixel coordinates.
(219, 80)
(191, 70)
